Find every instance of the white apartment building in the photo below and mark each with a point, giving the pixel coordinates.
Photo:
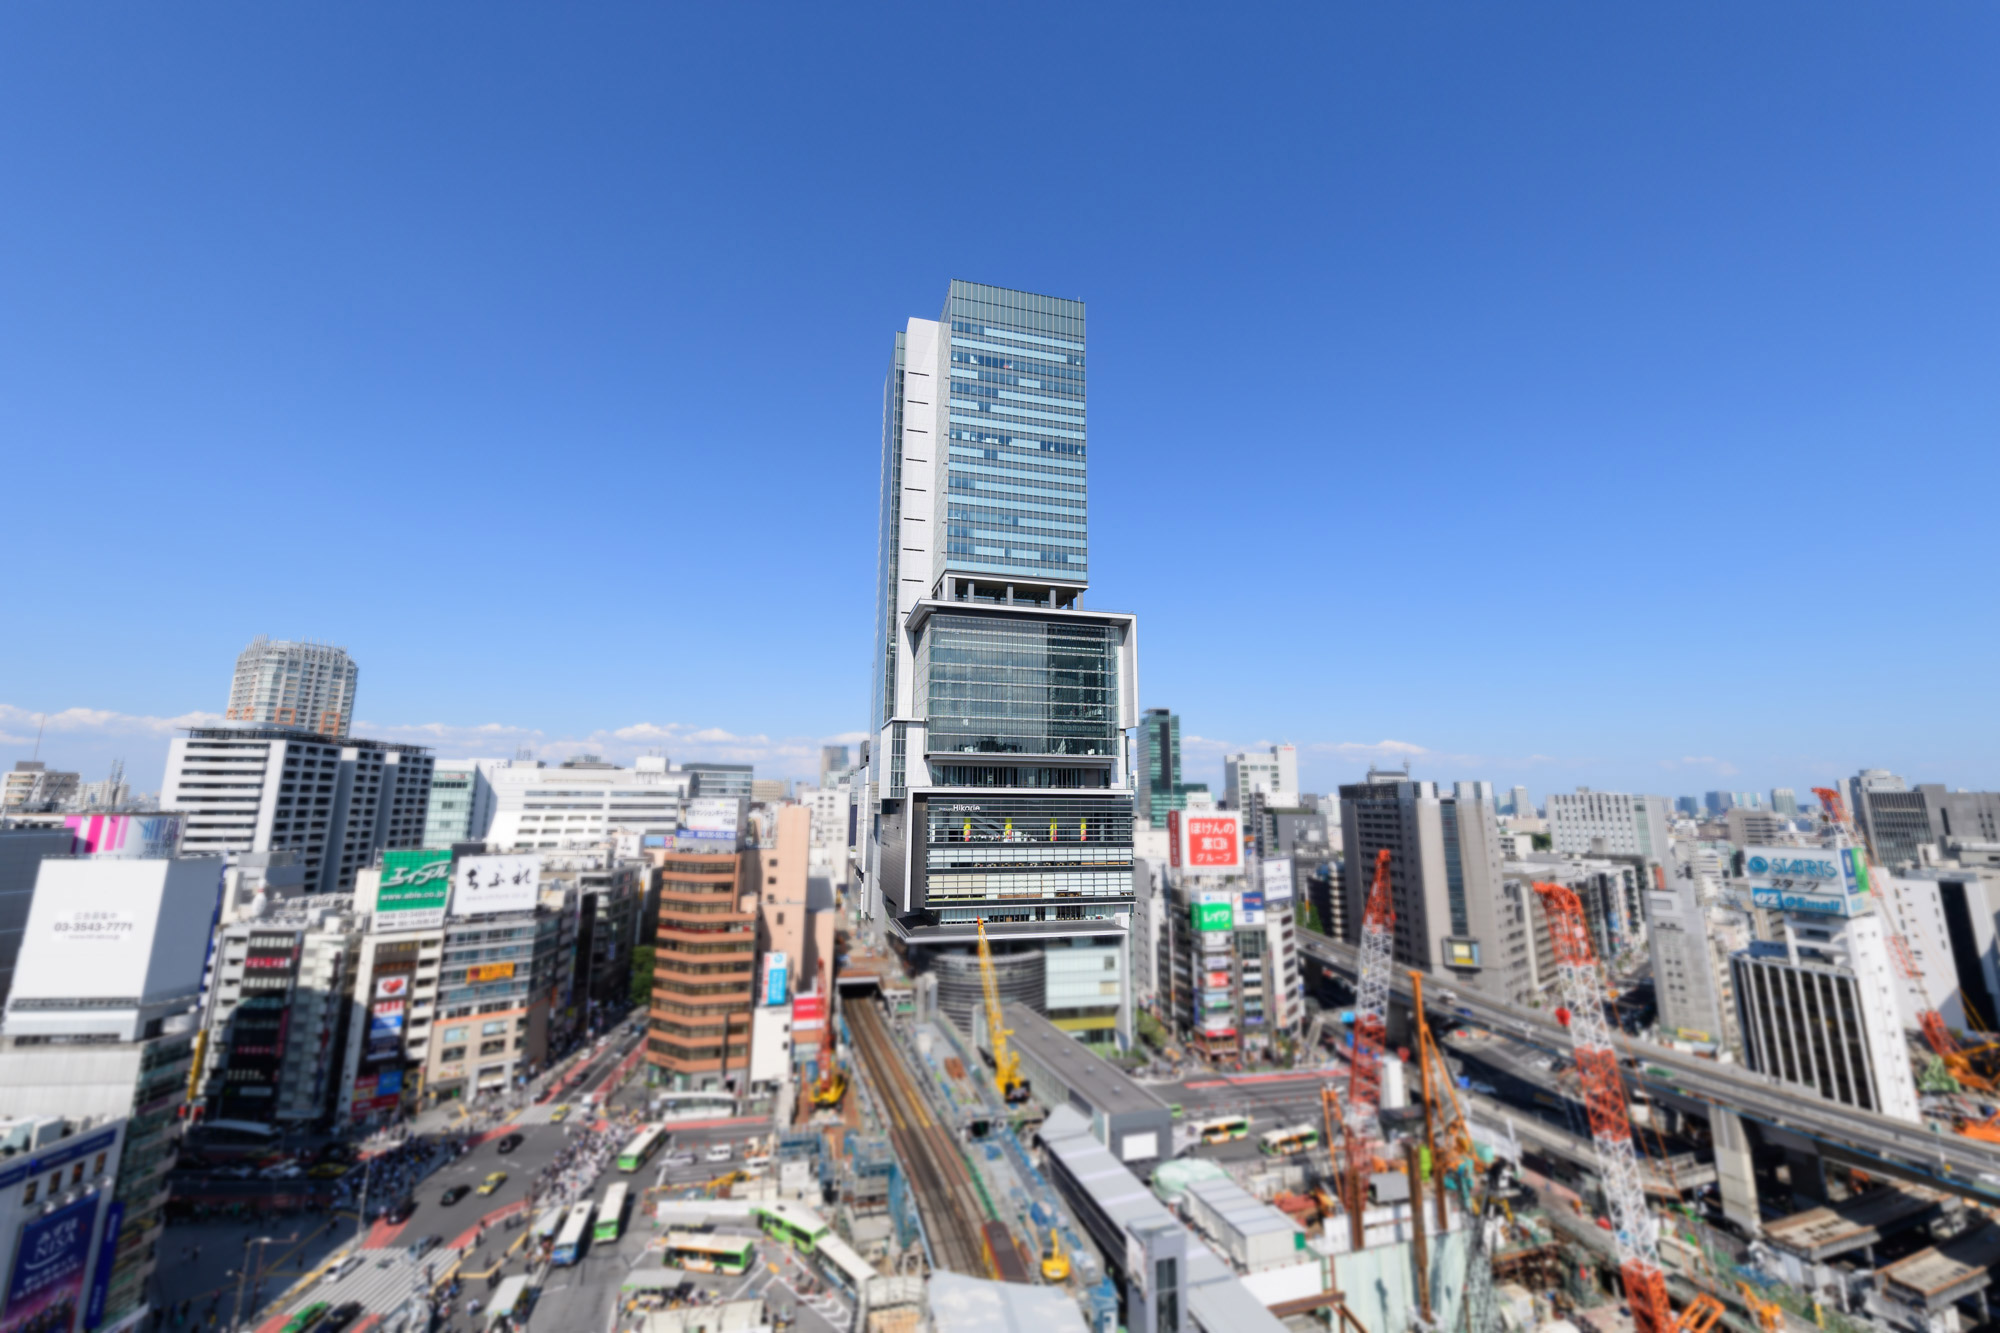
(334, 804)
(1608, 823)
(1275, 776)
(286, 684)
(582, 803)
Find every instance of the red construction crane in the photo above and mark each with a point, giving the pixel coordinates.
(1581, 988)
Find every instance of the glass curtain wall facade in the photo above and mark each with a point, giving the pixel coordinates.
(1017, 498)
(1160, 785)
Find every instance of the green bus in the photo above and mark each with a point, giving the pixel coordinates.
(635, 1154)
(798, 1227)
(706, 1252)
(611, 1213)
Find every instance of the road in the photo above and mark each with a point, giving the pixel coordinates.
(1891, 1146)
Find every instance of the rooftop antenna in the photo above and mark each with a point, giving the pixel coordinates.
(40, 727)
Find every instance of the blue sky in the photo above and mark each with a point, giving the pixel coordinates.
(1549, 393)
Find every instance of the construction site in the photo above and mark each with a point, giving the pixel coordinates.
(1010, 1176)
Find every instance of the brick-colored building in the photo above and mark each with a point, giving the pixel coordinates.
(704, 969)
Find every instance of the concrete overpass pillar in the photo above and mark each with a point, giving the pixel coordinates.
(1736, 1175)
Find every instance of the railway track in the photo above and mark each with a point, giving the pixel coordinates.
(951, 1206)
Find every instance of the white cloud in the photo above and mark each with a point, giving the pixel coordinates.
(1399, 748)
(86, 737)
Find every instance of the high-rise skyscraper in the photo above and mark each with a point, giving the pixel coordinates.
(1160, 784)
(279, 682)
(999, 789)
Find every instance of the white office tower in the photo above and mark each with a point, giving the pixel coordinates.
(331, 805)
(581, 803)
(102, 1022)
(1608, 823)
(1274, 775)
(1823, 1008)
(294, 684)
(999, 704)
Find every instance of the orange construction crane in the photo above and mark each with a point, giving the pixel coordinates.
(1633, 1226)
(1361, 1119)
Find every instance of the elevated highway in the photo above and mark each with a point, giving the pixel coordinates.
(1838, 1133)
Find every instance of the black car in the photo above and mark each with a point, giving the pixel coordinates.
(423, 1245)
(508, 1144)
(340, 1316)
(454, 1194)
(401, 1212)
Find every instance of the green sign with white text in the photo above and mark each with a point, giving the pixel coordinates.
(1214, 916)
(416, 887)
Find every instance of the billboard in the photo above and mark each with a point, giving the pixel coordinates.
(1275, 877)
(385, 1030)
(125, 835)
(416, 885)
(1213, 916)
(808, 1010)
(107, 1257)
(489, 972)
(481, 885)
(1209, 843)
(711, 823)
(1250, 912)
(47, 1284)
(775, 975)
(1824, 880)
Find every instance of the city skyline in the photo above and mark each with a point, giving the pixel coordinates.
(1566, 346)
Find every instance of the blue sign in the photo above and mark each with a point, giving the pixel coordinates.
(775, 977)
(42, 1295)
(60, 1156)
(107, 1258)
(388, 1083)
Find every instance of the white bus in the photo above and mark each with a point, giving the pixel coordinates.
(843, 1266)
(1224, 1128)
(569, 1241)
(611, 1213)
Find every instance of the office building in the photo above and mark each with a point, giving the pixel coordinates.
(1274, 776)
(461, 805)
(33, 787)
(1603, 823)
(720, 781)
(1520, 803)
(1895, 820)
(582, 802)
(1687, 970)
(704, 970)
(770, 791)
(102, 1027)
(999, 703)
(278, 1010)
(1456, 913)
(833, 760)
(22, 851)
(777, 872)
(610, 894)
(280, 683)
(1759, 828)
(1719, 803)
(334, 804)
(1784, 801)
(1688, 805)
(1161, 783)
(1961, 816)
(59, 1212)
(1820, 1010)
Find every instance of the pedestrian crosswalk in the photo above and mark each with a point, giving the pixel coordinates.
(383, 1282)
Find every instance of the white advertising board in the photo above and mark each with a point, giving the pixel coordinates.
(115, 928)
(712, 819)
(1829, 881)
(1277, 880)
(483, 885)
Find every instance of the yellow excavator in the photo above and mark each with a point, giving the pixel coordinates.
(831, 1087)
(1006, 1060)
(1055, 1268)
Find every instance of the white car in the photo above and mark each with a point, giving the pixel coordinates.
(718, 1152)
(757, 1160)
(680, 1159)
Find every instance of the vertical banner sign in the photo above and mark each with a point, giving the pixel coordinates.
(107, 1257)
(47, 1283)
(416, 886)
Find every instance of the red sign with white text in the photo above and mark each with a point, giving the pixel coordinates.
(1214, 842)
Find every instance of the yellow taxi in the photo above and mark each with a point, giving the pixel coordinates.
(493, 1182)
(557, 1116)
